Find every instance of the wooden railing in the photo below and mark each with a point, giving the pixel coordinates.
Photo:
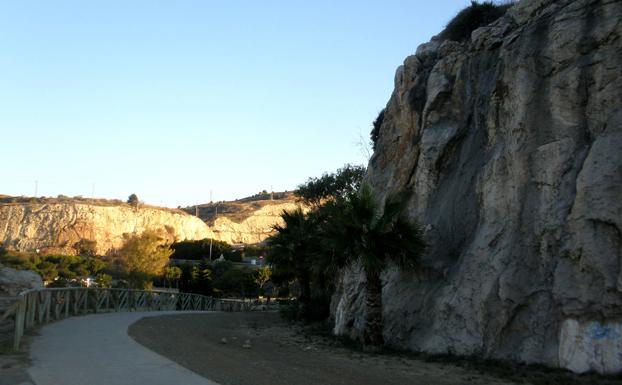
(39, 306)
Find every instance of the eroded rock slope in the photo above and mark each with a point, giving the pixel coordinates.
(56, 226)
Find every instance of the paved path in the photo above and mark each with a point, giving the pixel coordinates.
(96, 350)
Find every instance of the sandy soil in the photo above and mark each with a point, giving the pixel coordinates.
(280, 355)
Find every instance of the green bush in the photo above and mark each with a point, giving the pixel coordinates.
(133, 200)
(220, 278)
(336, 185)
(142, 258)
(375, 132)
(57, 270)
(197, 250)
(232, 281)
(103, 280)
(471, 18)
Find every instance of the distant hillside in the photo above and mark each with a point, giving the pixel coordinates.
(55, 225)
(239, 209)
(248, 220)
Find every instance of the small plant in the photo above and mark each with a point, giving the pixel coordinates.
(375, 132)
(471, 18)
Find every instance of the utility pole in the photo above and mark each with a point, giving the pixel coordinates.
(196, 210)
(271, 193)
(211, 239)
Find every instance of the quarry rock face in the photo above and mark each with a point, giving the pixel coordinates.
(55, 227)
(254, 228)
(512, 144)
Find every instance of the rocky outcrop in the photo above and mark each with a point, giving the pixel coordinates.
(512, 143)
(13, 282)
(53, 226)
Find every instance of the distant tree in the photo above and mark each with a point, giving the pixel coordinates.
(56, 270)
(199, 249)
(188, 278)
(141, 258)
(133, 200)
(48, 271)
(338, 185)
(172, 274)
(95, 265)
(256, 251)
(203, 279)
(103, 280)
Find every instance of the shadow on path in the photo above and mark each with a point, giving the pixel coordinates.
(96, 350)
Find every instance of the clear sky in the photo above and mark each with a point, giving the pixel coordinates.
(172, 99)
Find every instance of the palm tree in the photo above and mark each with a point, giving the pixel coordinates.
(375, 236)
(290, 252)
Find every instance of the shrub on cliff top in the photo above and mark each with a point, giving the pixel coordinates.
(337, 185)
(471, 18)
(375, 132)
(133, 200)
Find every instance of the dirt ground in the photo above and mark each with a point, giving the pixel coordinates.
(14, 365)
(261, 349)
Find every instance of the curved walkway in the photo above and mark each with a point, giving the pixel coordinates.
(96, 350)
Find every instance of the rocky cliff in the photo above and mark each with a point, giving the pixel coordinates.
(53, 225)
(512, 144)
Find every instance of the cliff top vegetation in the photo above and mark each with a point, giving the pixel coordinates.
(63, 199)
(476, 15)
(240, 209)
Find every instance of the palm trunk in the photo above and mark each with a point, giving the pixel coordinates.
(373, 318)
(305, 295)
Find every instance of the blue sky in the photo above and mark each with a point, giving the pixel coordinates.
(172, 99)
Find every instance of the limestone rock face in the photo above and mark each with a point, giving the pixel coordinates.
(58, 226)
(13, 282)
(512, 143)
(254, 228)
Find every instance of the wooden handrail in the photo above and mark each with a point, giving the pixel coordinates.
(38, 306)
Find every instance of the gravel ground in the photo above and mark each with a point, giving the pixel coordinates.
(260, 349)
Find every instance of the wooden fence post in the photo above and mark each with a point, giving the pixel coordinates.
(20, 319)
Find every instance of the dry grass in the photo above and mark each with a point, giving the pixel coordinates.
(6, 200)
(238, 210)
